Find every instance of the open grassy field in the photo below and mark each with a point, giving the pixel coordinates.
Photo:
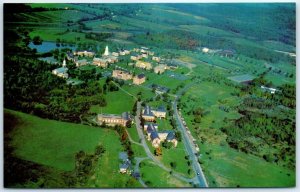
(117, 103)
(133, 133)
(154, 176)
(167, 15)
(58, 16)
(53, 33)
(142, 25)
(177, 156)
(122, 100)
(163, 124)
(54, 143)
(223, 167)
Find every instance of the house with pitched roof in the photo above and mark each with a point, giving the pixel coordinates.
(115, 54)
(119, 74)
(160, 68)
(135, 57)
(81, 62)
(156, 137)
(61, 72)
(160, 112)
(157, 59)
(112, 119)
(143, 65)
(148, 114)
(139, 79)
(169, 136)
(84, 53)
(125, 166)
(147, 124)
(100, 62)
(155, 140)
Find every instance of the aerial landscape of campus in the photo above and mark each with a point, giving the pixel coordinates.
(149, 95)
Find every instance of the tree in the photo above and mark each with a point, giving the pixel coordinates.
(128, 124)
(58, 42)
(124, 136)
(37, 40)
(167, 144)
(173, 165)
(158, 151)
(178, 135)
(99, 150)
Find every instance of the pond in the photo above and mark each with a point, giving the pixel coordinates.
(47, 46)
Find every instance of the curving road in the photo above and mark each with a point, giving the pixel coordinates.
(147, 150)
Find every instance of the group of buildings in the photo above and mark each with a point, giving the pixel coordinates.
(110, 58)
(151, 129)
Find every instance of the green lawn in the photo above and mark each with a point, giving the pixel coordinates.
(120, 101)
(177, 155)
(226, 167)
(138, 150)
(163, 124)
(117, 103)
(154, 176)
(164, 80)
(55, 143)
(133, 133)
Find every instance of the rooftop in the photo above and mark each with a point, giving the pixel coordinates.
(147, 111)
(123, 156)
(100, 59)
(151, 128)
(161, 109)
(140, 76)
(154, 135)
(109, 116)
(171, 136)
(126, 116)
(61, 70)
(87, 51)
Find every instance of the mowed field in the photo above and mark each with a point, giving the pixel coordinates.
(122, 100)
(226, 167)
(54, 143)
(151, 174)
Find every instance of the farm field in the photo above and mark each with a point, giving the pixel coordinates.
(225, 73)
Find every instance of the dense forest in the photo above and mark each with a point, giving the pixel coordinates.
(267, 126)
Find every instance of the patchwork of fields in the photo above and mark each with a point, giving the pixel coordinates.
(208, 44)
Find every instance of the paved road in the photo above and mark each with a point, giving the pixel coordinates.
(147, 150)
(189, 145)
(136, 168)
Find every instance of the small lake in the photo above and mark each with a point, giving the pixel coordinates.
(47, 46)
